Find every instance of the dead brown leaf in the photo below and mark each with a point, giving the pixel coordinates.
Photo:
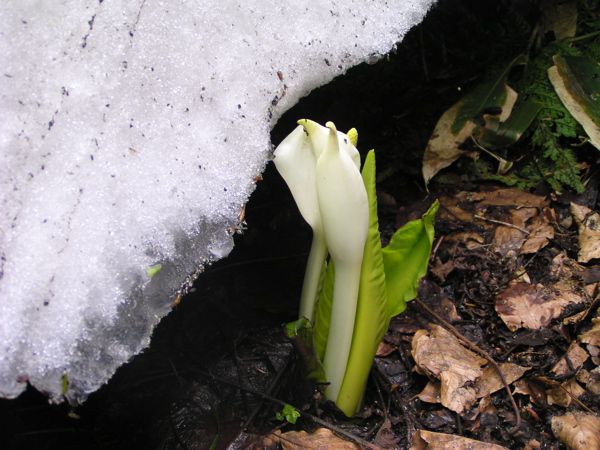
(428, 440)
(591, 379)
(321, 439)
(577, 431)
(564, 393)
(507, 239)
(592, 336)
(571, 361)
(385, 437)
(443, 146)
(439, 354)
(490, 381)
(469, 239)
(441, 269)
(524, 305)
(451, 211)
(535, 391)
(533, 444)
(430, 393)
(541, 231)
(505, 197)
(588, 223)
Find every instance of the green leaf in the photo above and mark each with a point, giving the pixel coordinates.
(288, 413)
(506, 133)
(490, 93)
(576, 80)
(371, 315)
(406, 259)
(323, 312)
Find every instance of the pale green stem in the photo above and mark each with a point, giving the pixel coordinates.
(312, 277)
(341, 328)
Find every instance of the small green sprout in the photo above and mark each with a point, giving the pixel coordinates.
(153, 270)
(288, 413)
(64, 383)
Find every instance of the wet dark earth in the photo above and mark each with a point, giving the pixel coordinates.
(219, 365)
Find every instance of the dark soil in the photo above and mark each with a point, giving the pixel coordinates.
(219, 361)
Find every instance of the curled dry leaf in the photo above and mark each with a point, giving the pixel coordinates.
(571, 361)
(443, 146)
(428, 440)
(577, 431)
(541, 231)
(588, 224)
(523, 305)
(592, 336)
(591, 379)
(321, 439)
(535, 391)
(488, 383)
(439, 354)
(564, 393)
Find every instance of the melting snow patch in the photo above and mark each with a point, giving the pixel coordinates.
(130, 136)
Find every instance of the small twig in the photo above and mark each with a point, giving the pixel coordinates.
(478, 350)
(437, 246)
(309, 416)
(499, 222)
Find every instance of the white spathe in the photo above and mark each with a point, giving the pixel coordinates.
(130, 134)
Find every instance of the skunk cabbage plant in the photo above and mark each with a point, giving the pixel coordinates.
(349, 299)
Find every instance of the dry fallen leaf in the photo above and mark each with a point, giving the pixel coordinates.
(504, 197)
(439, 354)
(320, 439)
(524, 305)
(428, 440)
(507, 239)
(533, 444)
(571, 361)
(443, 146)
(488, 383)
(588, 223)
(577, 431)
(592, 336)
(541, 231)
(430, 393)
(563, 394)
(385, 437)
(535, 391)
(441, 269)
(450, 211)
(591, 379)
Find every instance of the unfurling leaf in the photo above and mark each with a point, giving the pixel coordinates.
(406, 259)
